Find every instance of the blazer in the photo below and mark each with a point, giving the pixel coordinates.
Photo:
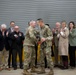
(9, 40)
(72, 37)
(17, 43)
(3, 41)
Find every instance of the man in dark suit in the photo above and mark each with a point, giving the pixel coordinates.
(4, 48)
(17, 38)
(10, 30)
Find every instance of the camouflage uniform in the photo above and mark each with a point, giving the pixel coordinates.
(45, 49)
(29, 47)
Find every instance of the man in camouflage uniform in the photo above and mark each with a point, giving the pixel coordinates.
(45, 48)
(29, 48)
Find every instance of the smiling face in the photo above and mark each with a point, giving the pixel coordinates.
(63, 24)
(12, 24)
(57, 25)
(33, 24)
(16, 28)
(71, 25)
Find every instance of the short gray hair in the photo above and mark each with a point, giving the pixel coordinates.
(3, 26)
(31, 22)
(58, 23)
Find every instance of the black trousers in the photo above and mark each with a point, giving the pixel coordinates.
(9, 59)
(14, 57)
(72, 55)
(20, 54)
(65, 61)
(10, 53)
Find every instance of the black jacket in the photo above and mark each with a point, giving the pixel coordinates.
(9, 33)
(17, 42)
(3, 41)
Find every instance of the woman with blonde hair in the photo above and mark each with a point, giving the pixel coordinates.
(63, 44)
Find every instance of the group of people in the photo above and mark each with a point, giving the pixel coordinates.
(13, 42)
(44, 36)
(63, 37)
(64, 41)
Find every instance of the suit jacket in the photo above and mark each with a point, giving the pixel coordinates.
(3, 41)
(17, 43)
(72, 37)
(55, 38)
(9, 33)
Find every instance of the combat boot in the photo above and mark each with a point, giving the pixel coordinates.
(51, 72)
(42, 71)
(25, 72)
(33, 70)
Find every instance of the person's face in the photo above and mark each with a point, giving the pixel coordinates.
(63, 25)
(12, 24)
(40, 23)
(3, 29)
(33, 24)
(57, 25)
(71, 25)
(16, 29)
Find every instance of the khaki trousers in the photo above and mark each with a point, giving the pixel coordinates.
(4, 58)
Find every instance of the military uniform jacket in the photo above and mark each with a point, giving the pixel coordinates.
(30, 37)
(46, 32)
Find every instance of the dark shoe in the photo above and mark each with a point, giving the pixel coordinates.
(72, 67)
(21, 67)
(63, 67)
(15, 68)
(56, 66)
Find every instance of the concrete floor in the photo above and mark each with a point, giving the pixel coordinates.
(57, 71)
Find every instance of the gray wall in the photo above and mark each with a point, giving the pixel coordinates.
(22, 11)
